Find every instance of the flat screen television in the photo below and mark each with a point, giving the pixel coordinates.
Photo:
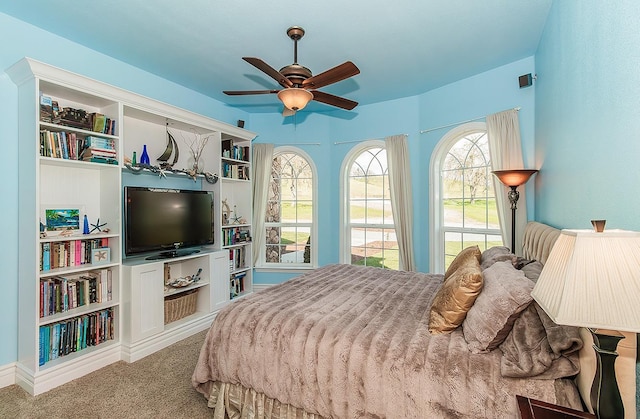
(165, 223)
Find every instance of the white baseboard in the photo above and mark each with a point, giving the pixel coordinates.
(58, 372)
(175, 332)
(7, 375)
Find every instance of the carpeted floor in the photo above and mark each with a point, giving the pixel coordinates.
(158, 386)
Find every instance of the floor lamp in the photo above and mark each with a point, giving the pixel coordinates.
(514, 178)
(592, 279)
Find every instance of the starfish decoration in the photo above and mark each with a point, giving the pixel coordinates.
(162, 173)
(100, 255)
(236, 218)
(97, 226)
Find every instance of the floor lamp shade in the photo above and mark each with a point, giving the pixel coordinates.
(514, 178)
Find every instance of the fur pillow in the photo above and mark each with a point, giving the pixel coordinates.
(455, 297)
(495, 254)
(463, 258)
(506, 293)
(532, 270)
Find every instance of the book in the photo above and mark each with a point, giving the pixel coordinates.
(102, 160)
(100, 142)
(46, 108)
(98, 122)
(46, 256)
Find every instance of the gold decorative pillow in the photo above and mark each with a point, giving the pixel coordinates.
(463, 258)
(456, 296)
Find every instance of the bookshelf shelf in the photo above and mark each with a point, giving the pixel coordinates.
(61, 238)
(177, 291)
(79, 311)
(75, 134)
(77, 356)
(59, 128)
(76, 269)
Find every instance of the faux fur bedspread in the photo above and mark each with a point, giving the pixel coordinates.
(352, 342)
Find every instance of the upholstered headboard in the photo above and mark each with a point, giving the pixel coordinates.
(537, 242)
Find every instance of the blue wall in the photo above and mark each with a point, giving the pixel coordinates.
(587, 117)
(20, 40)
(483, 94)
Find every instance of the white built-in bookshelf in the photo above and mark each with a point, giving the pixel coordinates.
(82, 303)
(236, 195)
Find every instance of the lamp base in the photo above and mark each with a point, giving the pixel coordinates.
(605, 395)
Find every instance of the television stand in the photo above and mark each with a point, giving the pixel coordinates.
(172, 254)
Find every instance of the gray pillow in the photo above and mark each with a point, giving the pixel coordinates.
(532, 270)
(505, 294)
(495, 254)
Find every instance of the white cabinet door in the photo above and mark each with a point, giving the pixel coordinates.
(146, 302)
(219, 279)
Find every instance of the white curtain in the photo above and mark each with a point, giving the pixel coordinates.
(261, 166)
(401, 197)
(505, 150)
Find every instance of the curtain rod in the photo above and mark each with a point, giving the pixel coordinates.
(367, 139)
(458, 123)
(279, 144)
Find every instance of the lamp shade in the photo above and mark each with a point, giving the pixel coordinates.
(514, 177)
(295, 98)
(592, 279)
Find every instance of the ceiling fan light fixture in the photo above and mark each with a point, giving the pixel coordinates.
(295, 98)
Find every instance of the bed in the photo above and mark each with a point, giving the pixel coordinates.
(345, 341)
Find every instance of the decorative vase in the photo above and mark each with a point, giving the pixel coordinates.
(134, 160)
(144, 157)
(85, 227)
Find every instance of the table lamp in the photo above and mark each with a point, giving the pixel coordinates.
(592, 279)
(514, 178)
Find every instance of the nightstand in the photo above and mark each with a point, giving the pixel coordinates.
(536, 409)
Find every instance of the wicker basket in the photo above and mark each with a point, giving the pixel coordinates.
(179, 306)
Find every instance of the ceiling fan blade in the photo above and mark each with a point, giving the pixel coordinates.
(248, 92)
(333, 100)
(268, 70)
(333, 75)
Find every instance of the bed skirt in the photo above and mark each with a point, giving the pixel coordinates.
(234, 401)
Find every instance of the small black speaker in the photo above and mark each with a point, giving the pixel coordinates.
(240, 123)
(525, 80)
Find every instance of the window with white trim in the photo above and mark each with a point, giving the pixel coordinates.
(463, 198)
(369, 230)
(289, 222)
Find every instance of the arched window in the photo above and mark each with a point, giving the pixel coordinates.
(369, 236)
(462, 197)
(290, 215)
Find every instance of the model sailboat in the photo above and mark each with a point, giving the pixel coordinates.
(172, 148)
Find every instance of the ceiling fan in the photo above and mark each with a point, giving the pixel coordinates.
(299, 84)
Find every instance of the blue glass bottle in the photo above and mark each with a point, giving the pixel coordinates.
(144, 157)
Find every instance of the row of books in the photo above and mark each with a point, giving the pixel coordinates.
(99, 150)
(236, 284)
(69, 253)
(231, 151)
(237, 258)
(60, 294)
(76, 118)
(63, 338)
(234, 171)
(71, 146)
(231, 236)
(102, 123)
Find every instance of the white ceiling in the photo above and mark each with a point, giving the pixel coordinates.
(402, 47)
